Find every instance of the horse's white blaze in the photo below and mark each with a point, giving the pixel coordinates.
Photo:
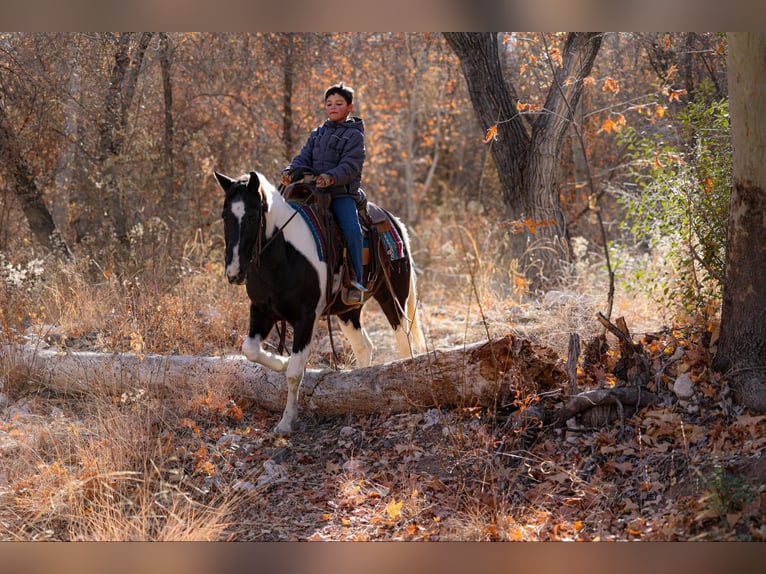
(238, 210)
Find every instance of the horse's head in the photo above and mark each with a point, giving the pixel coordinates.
(243, 212)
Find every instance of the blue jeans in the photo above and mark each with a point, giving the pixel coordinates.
(344, 210)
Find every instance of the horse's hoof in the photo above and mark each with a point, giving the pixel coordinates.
(281, 431)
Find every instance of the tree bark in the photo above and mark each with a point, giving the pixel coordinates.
(114, 122)
(741, 354)
(166, 60)
(288, 74)
(25, 188)
(528, 161)
(491, 374)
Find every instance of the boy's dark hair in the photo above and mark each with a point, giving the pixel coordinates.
(341, 89)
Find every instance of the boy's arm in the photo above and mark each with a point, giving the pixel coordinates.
(304, 156)
(350, 166)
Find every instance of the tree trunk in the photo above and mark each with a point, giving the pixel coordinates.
(113, 124)
(287, 95)
(64, 178)
(528, 161)
(25, 188)
(488, 374)
(494, 102)
(741, 352)
(166, 59)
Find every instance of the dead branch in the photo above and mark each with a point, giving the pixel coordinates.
(622, 396)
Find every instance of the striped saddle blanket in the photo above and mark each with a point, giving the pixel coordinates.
(390, 238)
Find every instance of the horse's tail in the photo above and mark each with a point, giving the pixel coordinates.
(414, 332)
(413, 317)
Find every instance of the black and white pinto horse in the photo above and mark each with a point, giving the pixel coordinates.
(275, 253)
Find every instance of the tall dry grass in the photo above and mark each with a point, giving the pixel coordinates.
(103, 467)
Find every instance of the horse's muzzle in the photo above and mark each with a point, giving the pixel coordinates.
(238, 279)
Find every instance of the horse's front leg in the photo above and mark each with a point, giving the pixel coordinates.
(261, 324)
(303, 331)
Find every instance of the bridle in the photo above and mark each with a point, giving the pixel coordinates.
(261, 243)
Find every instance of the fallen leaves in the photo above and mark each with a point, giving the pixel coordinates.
(678, 470)
(393, 509)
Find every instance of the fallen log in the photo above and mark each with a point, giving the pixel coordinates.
(492, 374)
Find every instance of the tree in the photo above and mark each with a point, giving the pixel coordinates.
(166, 62)
(741, 352)
(114, 123)
(25, 188)
(527, 153)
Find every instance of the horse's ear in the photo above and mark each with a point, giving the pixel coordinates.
(223, 180)
(254, 184)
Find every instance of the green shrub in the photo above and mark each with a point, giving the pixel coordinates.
(679, 202)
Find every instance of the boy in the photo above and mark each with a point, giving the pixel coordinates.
(336, 150)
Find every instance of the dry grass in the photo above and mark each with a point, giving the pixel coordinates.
(104, 467)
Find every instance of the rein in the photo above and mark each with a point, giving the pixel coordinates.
(260, 247)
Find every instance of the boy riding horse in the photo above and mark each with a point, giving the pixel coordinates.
(336, 151)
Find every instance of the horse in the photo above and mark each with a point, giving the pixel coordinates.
(274, 251)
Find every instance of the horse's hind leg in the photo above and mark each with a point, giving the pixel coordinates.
(393, 309)
(351, 326)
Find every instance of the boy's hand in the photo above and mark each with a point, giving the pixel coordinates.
(285, 178)
(325, 180)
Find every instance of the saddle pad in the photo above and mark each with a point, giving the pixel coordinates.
(310, 217)
(392, 243)
(391, 239)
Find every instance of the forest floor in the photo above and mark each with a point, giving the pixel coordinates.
(207, 466)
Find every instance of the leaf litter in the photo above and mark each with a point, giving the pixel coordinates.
(690, 468)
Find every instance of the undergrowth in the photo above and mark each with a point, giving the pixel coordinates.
(145, 465)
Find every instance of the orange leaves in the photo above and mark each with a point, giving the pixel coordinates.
(202, 464)
(610, 85)
(676, 95)
(612, 125)
(190, 424)
(673, 95)
(491, 134)
(555, 55)
(526, 106)
(533, 225)
(520, 284)
(530, 224)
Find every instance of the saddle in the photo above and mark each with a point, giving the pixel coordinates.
(374, 222)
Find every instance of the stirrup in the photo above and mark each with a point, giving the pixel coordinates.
(354, 297)
(358, 286)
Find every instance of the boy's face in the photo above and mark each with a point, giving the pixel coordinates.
(336, 107)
